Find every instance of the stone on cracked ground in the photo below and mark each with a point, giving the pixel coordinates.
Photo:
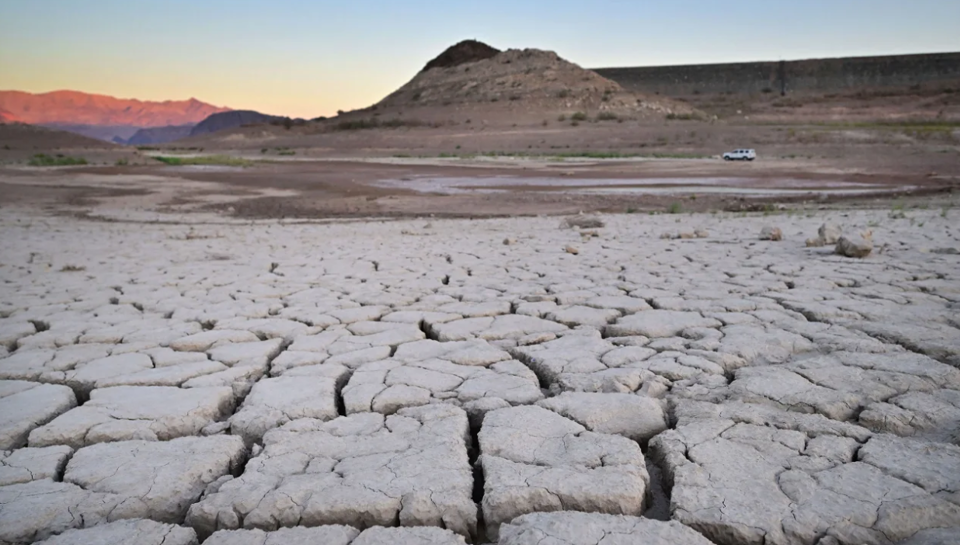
(742, 483)
(363, 470)
(276, 401)
(574, 528)
(30, 464)
(152, 413)
(636, 417)
(536, 460)
(127, 532)
(158, 480)
(26, 405)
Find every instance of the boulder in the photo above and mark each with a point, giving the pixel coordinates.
(770, 232)
(858, 246)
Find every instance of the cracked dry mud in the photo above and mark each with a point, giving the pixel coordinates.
(402, 382)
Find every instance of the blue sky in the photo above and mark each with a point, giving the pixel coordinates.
(310, 58)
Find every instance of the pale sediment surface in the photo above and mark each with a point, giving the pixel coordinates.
(451, 381)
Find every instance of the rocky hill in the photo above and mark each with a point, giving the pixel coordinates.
(228, 120)
(159, 135)
(472, 73)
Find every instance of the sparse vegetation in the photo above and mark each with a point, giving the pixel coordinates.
(221, 160)
(564, 93)
(562, 118)
(607, 116)
(675, 208)
(44, 160)
(72, 268)
(374, 123)
(684, 117)
(579, 116)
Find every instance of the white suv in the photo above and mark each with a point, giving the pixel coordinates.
(740, 155)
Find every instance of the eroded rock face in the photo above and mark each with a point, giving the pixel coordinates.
(362, 470)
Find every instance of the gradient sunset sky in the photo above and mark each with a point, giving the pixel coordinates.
(309, 58)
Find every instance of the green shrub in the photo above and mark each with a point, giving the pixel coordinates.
(222, 160)
(607, 116)
(579, 116)
(675, 208)
(44, 160)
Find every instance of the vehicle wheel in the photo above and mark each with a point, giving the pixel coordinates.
(750, 159)
(726, 158)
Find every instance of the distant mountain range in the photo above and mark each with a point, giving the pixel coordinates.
(100, 116)
(231, 119)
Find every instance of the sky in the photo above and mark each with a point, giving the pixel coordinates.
(306, 58)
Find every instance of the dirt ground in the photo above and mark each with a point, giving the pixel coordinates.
(395, 187)
(508, 158)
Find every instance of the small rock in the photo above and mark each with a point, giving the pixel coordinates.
(217, 428)
(687, 235)
(815, 242)
(701, 233)
(509, 241)
(583, 222)
(572, 250)
(667, 236)
(855, 245)
(829, 233)
(770, 232)
(593, 233)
